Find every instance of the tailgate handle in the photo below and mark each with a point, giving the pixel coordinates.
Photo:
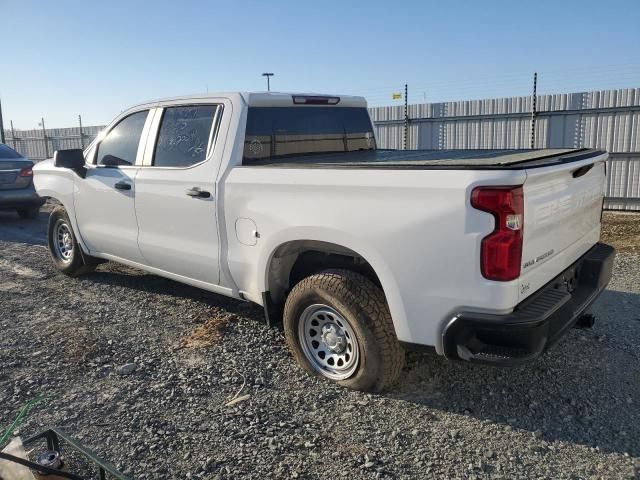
(578, 172)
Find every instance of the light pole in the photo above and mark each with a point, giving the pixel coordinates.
(267, 74)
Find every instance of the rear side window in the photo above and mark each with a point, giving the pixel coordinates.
(120, 146)
(8, 152)
(184, 135)
(274, 132)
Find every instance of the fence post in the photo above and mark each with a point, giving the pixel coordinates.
(1, 125)
(406, 116)
(81, 134)
(13, 135)
(44, 137)
(533, 112)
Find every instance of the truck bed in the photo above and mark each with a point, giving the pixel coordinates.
(433, 159)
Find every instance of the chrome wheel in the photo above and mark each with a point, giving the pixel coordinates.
(63, 241)
(328, 342)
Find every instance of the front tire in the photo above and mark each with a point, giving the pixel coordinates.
(338, 326)
(64, 248)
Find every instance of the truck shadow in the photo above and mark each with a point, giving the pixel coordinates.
(585, 390)
(119, 275)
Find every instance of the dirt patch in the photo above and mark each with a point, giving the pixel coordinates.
(81, 344)
(16, 269)
(208, 333)
(622, 230)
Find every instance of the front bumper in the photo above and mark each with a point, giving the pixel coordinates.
(22, 197)
(536, 323)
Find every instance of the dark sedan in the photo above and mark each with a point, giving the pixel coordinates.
(16, 184)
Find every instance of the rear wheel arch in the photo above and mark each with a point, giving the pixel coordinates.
(279, 257)
(292, 261)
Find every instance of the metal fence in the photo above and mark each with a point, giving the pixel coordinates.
(41, 143)
(607, 120)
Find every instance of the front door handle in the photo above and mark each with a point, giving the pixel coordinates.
(195, 192)
(123, 185)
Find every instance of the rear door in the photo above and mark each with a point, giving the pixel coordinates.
(105, 199)
(176, 192)
(562, 209)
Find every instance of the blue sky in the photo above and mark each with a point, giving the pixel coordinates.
(64, 58)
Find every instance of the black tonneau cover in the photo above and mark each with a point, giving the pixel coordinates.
(432, 159)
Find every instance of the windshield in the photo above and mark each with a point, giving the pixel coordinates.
(274, 132)
(7, 152)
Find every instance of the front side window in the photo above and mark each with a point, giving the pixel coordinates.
(275, 132)
(184, 135)
(120, 146)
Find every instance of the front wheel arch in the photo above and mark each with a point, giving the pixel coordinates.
(65, 250)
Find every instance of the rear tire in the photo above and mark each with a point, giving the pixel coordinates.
(28, 213)
(64, 248)
(338, 326)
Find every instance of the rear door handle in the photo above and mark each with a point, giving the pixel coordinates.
(195, 192)
(123, 185)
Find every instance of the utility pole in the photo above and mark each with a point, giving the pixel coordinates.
(268, 75)
(406, 116)
(534, 111)
(1, 125)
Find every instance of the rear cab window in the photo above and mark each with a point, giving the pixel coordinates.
(7, 152)
(281, 132)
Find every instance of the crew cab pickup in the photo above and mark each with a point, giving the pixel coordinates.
(285, 200)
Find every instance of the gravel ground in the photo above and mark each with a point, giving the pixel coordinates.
(622, 230)
(572, 414)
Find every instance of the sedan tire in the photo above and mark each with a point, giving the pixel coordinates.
(28, 213)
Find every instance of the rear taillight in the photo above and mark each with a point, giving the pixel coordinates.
(501, 251)
(26, 172)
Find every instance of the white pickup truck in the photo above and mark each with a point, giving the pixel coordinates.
(285, 200)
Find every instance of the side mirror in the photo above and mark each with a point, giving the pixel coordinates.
(72, 159)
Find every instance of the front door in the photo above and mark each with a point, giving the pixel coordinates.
(104, 199)
(176, 193)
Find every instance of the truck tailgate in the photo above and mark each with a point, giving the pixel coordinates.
(562, 210)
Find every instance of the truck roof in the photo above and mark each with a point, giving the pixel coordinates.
(262, 99)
